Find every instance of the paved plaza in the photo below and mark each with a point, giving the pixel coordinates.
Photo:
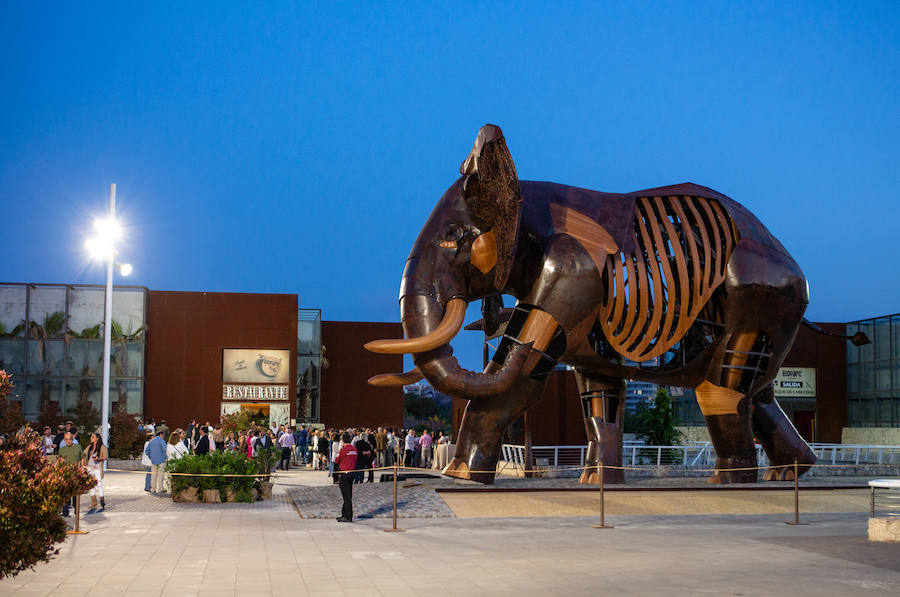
(147, 545)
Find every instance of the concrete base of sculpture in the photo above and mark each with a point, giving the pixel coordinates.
(886, 528)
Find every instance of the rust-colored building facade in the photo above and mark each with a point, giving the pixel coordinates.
(188, 333)
(348, 400)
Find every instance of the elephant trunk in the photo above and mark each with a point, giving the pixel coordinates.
(424, 319)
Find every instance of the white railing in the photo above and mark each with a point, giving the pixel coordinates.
(856, 454)
(698, 454)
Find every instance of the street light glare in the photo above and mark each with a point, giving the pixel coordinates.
(125, 268)
(108, 228)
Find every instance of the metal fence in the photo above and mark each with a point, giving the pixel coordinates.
(699, 454)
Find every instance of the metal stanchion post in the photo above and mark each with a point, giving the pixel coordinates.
(872, 505)
(76, 530)
(602, 524)
(394, 527)
(796, 496)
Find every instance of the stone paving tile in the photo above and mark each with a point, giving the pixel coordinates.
(371, 500)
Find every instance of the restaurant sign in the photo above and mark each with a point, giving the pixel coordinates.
(797, 382)
(255, 365)
(254, 392)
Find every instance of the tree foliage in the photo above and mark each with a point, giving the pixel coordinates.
(11, 418)
(657, 425)
(85, 416)
(419, 407)
(125, 439)
(32, 492)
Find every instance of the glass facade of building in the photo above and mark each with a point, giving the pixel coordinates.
(873, 373)
(51, 343)
(309, 364)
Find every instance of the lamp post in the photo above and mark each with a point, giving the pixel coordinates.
(103, 246)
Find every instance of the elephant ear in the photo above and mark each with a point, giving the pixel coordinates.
(493, 195)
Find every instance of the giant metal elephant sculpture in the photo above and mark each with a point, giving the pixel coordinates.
(676, 285)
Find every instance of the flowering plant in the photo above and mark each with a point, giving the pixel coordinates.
(32, 493)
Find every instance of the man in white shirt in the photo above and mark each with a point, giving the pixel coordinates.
(411, 445)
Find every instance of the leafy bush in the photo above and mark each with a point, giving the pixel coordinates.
(125, 439)
(11, 418)
(221, 463)
(85, 416)
(50, 416)
(238, 422)
(32, 493)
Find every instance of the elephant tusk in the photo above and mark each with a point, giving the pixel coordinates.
(386, 380)
(454, 315)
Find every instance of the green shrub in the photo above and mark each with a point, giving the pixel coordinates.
(32, 492)
(125, 439)
(11, 419)
(215, 463)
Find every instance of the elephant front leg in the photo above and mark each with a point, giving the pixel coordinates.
(480, 437)
(779, 438)
(481, 430)
(600, 401)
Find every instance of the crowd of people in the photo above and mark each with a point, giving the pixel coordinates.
(337, 451)
(67, 444)
(296, 445)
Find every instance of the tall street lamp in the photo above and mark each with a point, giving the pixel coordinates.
(103, 246)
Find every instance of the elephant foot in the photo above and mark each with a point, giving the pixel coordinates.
(458, 469)
(783, 468)
(589, 477)
(722, 476)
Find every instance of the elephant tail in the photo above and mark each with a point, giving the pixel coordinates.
(858, 339)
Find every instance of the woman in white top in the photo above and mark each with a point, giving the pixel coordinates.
(174, 450)
(145, 462)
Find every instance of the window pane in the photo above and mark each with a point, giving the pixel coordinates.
(126, 394)
(866, 379)
(895, 326)
(12, 356)
(84, 358)
(883, 375)
(48, 310)
(867, 351)
(309, 332)
(126, 359)
(308, 372)
(86, 312)
(867, 413)
(89, 388)
(885, 406)
(852, 379)
(12, 310)
(852, 351)
(38, 393)
(128, 311)
(45, 358)
(882, 339)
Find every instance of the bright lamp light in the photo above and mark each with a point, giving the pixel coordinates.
(108, 228)
(125, 268)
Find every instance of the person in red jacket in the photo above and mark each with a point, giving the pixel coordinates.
(346, 461)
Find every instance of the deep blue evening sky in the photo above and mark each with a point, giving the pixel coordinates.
(299, 149)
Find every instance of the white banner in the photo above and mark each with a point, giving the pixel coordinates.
(251, 392)
(798, 382)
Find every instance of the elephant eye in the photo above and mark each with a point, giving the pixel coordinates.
(451, 237)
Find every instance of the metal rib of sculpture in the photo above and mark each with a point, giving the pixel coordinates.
(681, 280)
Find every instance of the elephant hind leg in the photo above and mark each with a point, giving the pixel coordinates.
(779, 438)
(726, 407)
